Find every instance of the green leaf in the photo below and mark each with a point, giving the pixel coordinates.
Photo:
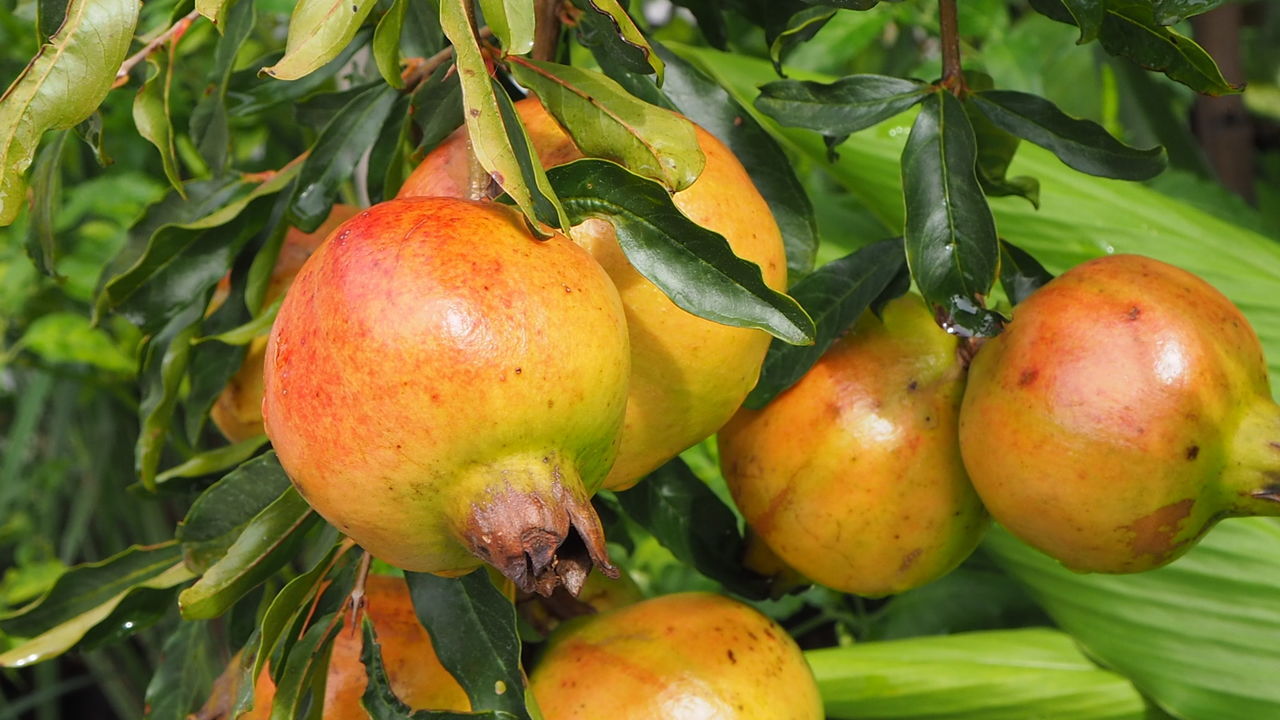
(262, 95)
(512, 23)
(473, 630)
(710, 20)
(389, 163)
(999, 675)
(951, 242)
(318, 32)
(1081, 144)
(1200, 637)
(267, 542)
(847, 4)
(437, 107)
(90, 132)
(691, 521)
(46, 193)
(334, 156)
(974, 596)
(189, 663)
(215, 460)
(1169, 12)
(606, 121)
(233, 501)
(1088, 16)
(693, 266)
(62, 85)
(702, 100)
(215, 10)
(305, 668)
(1020, 274)
(210, 123)
(164, 365)
(151, 115)
(835, 296)
(606, 25)
(499, 141)
(246, 333)
(69, 337)
(996, 149)
(799, 27)
(386, 43)
(49, 16)
(838, 109)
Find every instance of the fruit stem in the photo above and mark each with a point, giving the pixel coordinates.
(1252, 474)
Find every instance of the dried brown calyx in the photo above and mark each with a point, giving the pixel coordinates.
(540, 540)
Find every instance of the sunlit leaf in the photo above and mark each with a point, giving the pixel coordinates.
(318, 32)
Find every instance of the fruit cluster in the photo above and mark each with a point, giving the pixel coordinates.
(448, 390)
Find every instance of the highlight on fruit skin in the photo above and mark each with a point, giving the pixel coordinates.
(853, 476)
(689, 656)
(1123, 411)
(237, 413)
(413, 670)
(447, 390)
(689, 375)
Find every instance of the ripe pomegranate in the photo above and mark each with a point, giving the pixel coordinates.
(1123, 411)
(238, 410)
(691, 656)
(446, 389)
(853, 476)
(689, 375)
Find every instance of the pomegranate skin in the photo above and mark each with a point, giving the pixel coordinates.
(1122, 412)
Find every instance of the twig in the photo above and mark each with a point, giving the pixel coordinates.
(952, 73)
(419, 69)
(546, 34)
(174, 31)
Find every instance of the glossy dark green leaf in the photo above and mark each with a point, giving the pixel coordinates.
(1169, 12)
(1082, 144)
(380, 699)
(835, 296)
(233, 501)
(422, 36)
(1020, 274)
(189, 663)
(996, 149)
(305, 668)
(950, 235)
(164, 365)
(606, 121)
(436, 107)
(140, 608)
(606, 25)
(798, 28)
(46, 192)
(49, 16)
(63, 84)
(710, 19)
(511, 22)
(318, 32)
(1088, 15)
(691, 521)
(386, 43)
(840, 108)
(695, 267)
(210, 124)
(701, 99)
(213, 461)
(267, 542)
(473, 630)
(152, 118)
(250, 95)
(334, 156)
(388, 164)
(1130, 29)
(975, 596)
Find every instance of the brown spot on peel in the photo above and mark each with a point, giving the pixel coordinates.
(1154, 534)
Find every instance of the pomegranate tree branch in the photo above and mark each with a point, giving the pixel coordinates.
(546, 34)
(175, 30)
(419, 69)
(952, 74)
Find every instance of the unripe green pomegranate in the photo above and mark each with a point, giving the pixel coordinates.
(690, 656)
(1122, 412)
(446, 389)
(853, 476)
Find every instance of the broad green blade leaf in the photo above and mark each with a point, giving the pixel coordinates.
(693, 266)
(215, 10)
(998, 675)
(608, 122)
(473, 630)
(305, 668)
(334, 156)
(191, 662)
(512, 23)
(215, 460)
(996, 149)
(499, 141)
(838, 109)
(605, 24)
(1020, 274)
(834, 295)
(951, 242)
(1081, 144)
(230, 503)
(386, 43)
(151, 114)
(1088, 16)
(318, 31)
(1201, 637)
(46, 193)
(1130, 29)
(59, 638)
(702, 100)
(267, 542)
(691, 521)
(380, 699)
(62, 85)
(1169, 12)
(164, 365)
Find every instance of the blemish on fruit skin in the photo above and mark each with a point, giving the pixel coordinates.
(1193, 452)
(1154, 534)
(1134, 313)
(1028, 376)
(909, 559)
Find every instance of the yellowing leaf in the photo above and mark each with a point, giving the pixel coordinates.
(318, 31)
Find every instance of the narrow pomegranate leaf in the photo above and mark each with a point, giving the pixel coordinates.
(318, 31)
(950, 235)
(256, 95)
(165, 356)
(305, 663)
(62, 85)
(799, 27)
(436, 107)
(608, 122)
(386, 43)
(1020, 274)
(152, 118)
(46, 194)
(190, 661)
(1169, 12)
(389, 162)
(511, 22)
(834, 295)
(222, 511)
(996, 148)
(606, 25)
(473, 630)
(210, 124)
(215, 10)
(840, 108)
(1082, 144)
(213, 461)
(49, 16)
(693, 266)
(1088, 16)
